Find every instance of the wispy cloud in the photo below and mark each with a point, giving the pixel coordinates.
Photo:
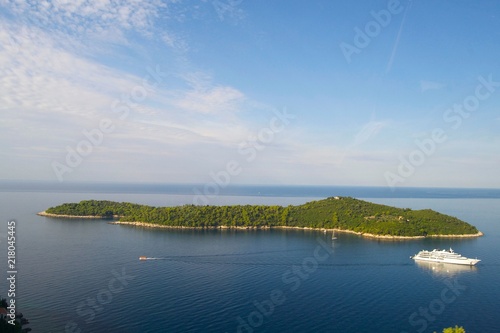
(368, 131)
(86, 23)
(51, 90)
(175, 41)
(208, 98)
(38, 76)
(89, 16)
(212, 101)
(431, 85)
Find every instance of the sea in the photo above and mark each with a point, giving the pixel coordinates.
(76, 275)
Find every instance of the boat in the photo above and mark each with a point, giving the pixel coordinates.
(143, 258)
(444, 269)
(333, 235)
(444, 256)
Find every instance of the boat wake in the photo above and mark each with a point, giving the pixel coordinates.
(176, 257)
(148, 258)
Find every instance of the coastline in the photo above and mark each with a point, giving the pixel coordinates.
(367, 235)
(90, 217)
(154, 225)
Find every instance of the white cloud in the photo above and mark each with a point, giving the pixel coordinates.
(368, 131)
(431, 85)
(175, 41)
(52, 87)
(37, 76)
(213, 100)
(205, 97)
(231, 11)
(94, 16)
(197, 80)
(49, 95)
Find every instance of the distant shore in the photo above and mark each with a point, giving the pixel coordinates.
(154, 225)
(90, 217)
(341, 214)
(368, 235)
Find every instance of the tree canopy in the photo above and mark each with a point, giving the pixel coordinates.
(344, 213)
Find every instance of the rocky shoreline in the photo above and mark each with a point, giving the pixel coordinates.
(90, 217)
(363, 234)
(368, 235)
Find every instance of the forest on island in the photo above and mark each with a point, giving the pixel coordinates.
(336, 212)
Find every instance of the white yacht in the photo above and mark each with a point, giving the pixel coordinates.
(444, 256)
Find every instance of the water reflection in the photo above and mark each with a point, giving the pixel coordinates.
(443, 269)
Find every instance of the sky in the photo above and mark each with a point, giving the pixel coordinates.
(363, 93)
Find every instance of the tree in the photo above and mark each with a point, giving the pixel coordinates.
(348, 214)
(6, 327)
(108, 214)
(335, 219)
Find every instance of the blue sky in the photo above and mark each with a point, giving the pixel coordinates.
(254, 91)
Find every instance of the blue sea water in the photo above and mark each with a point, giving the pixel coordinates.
(85, 276)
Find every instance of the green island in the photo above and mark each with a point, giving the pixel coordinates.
(343, 214)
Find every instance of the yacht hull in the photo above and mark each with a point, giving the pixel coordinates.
(467, 261)
(444, 256)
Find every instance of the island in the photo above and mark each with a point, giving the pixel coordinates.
(342, 214)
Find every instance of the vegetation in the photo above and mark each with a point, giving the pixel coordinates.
(340, 213)
(19, 322)
(97, 208)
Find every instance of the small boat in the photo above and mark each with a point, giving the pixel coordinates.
(143, 258)
(333, 235)
(444, 256)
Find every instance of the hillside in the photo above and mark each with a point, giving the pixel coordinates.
(340, 213)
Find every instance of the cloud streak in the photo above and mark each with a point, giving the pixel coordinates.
(50, 93)
(89, 16)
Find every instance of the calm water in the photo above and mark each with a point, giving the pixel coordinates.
(86, 274)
